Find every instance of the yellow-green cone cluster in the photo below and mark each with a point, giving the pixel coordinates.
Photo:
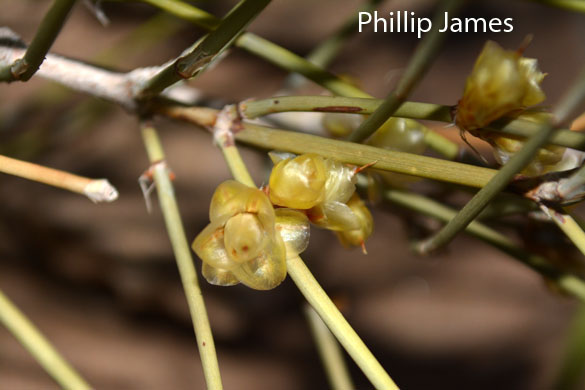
(320, 187)
(503, 83)
(248, 239)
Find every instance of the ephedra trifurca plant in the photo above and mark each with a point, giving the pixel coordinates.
(361, 152)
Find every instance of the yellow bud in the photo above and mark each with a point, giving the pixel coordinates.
(340, 183)
(309, 180)
(209, 245)
(217, 276)
(229, 199)
(334, 216)
(298, 182)
(501, 83)
(267, 270)
(357, 237)
(293, 226)
(319, 185)
(241, 243)
(244, 237)
(533, 77)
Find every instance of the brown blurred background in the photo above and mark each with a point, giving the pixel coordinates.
(101, 282)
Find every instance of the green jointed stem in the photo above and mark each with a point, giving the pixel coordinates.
(331, 355)
(327, 50)
(236, 165)
(565, 221)
(143, 38)
(417, 67)
(38, 346)
(507, 205)
(256, 108)
(566, 281)
(170, 210)
(518, 162)
(358, 154)
(187, 12)
(286, 59)
(223, 138)
(23, 69)
(190, 65)
(338, 325)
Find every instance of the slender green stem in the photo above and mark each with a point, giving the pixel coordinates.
(331, 356)
(358, 154)
(568, 225)
(506, 206)
(337, 104)
(38, 346)
(183, 256)
(193, 63)
(23, 69)
(565, 281)
(256, 108)
(572, 372)
(235, 164)
(574, 186)
(289, 61)
(186, 11)
(286, 59)
(327, 50)
(417, 67)
(144, 38)
(338, 325)
(518, 162)
(571, 5)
